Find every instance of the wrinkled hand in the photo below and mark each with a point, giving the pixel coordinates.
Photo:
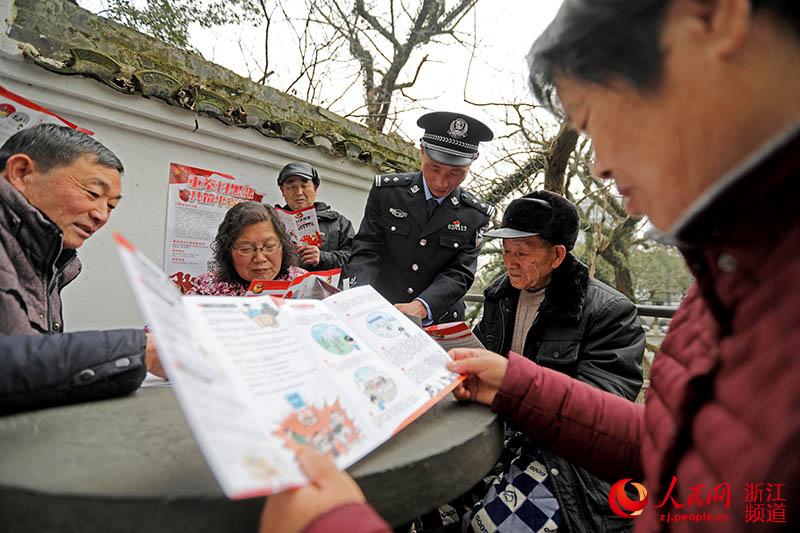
(151, 358)
(414, 308)
(485, 371)
(309, 254)
(293, 510)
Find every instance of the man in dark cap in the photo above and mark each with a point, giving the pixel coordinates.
(299, 184)
(421, 233)
(547, 308)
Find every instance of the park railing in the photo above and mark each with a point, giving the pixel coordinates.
(652, 343)
(655, 311)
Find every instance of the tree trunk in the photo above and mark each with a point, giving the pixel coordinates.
(557, 158)
(616, 255)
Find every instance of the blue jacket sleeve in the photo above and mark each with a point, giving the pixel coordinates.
(40, 371)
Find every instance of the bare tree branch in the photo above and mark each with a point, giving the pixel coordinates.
(268, 19)
(401, 86)
(361, 11)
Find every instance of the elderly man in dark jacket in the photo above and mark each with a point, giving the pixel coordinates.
(547, 308)
(58, 188)
(299, 183)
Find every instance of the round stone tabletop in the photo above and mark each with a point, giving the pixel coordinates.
(131, 464)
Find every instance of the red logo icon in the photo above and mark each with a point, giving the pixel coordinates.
(622, 504)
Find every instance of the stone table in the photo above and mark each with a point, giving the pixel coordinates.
(131, 464)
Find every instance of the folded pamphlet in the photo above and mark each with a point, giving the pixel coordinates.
(302, 225)
(454, 335)
(258, 376)
(312, 285)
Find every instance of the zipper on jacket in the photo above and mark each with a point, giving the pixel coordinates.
(51, 286)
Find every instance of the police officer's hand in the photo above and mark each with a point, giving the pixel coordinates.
(485, 371)
(151, 358)
(309, 254)
(415, 308)
(329, 487)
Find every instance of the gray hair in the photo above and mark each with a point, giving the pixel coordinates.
(597, 41)
(51, 146)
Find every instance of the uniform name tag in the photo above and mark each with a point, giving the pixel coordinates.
(456, 225)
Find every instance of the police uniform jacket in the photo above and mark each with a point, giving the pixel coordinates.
(405, 256)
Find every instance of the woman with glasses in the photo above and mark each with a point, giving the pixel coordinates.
(251, 243)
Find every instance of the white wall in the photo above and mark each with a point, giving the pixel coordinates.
(147, 135)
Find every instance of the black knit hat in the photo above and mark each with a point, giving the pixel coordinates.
(546, 214)
(302, 169)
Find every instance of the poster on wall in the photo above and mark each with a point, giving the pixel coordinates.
(17, 113)
(197, 202)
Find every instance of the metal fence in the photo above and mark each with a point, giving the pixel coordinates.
(653, 341)
(656, 311)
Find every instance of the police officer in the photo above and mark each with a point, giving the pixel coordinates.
(421, 233)
(299, 184)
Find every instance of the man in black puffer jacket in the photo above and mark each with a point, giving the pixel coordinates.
(547, 308)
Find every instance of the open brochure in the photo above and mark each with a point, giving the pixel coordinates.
(454, 335)
(302, 225)
(258, 376)
(311, 285)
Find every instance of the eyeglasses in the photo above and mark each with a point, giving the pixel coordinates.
(248, 250)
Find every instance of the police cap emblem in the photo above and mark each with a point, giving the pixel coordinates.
(458, 128)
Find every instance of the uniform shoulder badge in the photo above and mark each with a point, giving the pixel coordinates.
(394, 180)
(473, 201)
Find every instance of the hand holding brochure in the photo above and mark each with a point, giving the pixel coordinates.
(257, 377)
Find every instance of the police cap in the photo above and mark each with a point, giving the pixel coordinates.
(452, 138)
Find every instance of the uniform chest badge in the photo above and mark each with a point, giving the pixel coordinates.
(456, 225)
(397, 213)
